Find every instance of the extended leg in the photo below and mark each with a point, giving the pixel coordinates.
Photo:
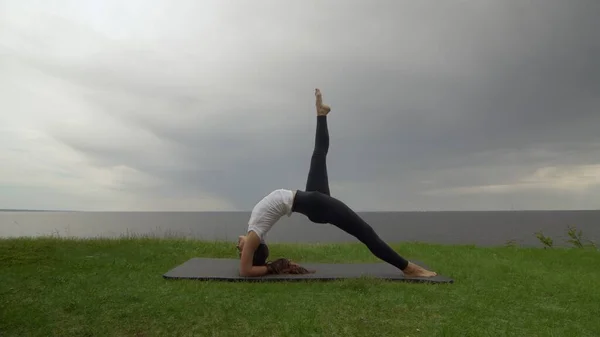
(322, 208)
(317, 174)
(341, 216)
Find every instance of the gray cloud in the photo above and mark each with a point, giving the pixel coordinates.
(426, 97)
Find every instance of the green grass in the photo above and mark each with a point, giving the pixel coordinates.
(103, 287)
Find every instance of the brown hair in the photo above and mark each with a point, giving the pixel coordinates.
(278, 266)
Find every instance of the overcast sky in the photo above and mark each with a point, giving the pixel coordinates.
(209, 105)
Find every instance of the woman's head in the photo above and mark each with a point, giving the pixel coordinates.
(260, 254)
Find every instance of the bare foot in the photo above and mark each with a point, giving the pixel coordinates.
(322, 109)
(414, 270)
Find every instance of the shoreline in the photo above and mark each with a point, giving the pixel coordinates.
(577, 243)
(454, 227)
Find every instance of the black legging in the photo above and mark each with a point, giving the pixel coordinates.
(320, 207)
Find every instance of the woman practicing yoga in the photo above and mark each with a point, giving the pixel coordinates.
(317, 204)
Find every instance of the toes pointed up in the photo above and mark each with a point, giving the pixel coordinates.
(322, 109)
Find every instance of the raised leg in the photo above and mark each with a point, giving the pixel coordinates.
(317, 175)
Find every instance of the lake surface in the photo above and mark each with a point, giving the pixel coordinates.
(479, 228)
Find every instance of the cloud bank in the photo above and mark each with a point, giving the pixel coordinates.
(209, 106)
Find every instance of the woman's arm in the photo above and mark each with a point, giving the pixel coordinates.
(246, 267)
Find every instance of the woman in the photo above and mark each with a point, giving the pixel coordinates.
(317, 204)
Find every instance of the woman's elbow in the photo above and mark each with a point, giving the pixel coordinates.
(245, 272)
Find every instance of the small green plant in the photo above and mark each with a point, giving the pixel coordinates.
(511, 243)
(575, 235)
(545, 240)
(576, 238)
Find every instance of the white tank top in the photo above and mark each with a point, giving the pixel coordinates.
(269, 210)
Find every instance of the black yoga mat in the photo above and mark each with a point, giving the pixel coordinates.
(227, 270)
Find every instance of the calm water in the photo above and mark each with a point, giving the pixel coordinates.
(480, 228)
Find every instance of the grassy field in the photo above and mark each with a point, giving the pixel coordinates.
(102, 287)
